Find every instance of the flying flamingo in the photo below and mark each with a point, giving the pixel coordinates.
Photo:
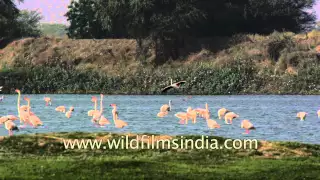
(301, 115)
(222, 112)
(246, 124)
(118, 123)
(230, 116)
(173, 85)
(61, 109)
(9, 125)
(32, 118)
(68, 113)
(47, 100)
(92, 112)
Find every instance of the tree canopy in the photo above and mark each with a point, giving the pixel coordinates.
(15, 23)
(168, 22)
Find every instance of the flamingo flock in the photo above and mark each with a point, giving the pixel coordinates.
(192, 114)
(27, 117)
(98, 118)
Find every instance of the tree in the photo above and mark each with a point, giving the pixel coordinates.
(8, 15)
(28, 24)
(168, 22)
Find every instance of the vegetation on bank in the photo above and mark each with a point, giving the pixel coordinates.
(282, 63)
(43, 156)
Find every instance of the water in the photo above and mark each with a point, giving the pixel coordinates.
(273, 116)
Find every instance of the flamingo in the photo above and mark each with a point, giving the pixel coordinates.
(212, 124)
(92, 112)
(98, 115)
(301, 115)
(166, 107)
(68, 113)
(222, 112)
(22, 114)
(102, 121)
(318, 112)
(47, 100)
(118, 123)
(162, 114)
(203, 112)
(61, 109)
(9, 125)
(24, 108)
(230, 116)
(246, 124)
(1, 98)
(32, 118)
(192, 114)
(173, 85)
(183, 116)
(8, 117)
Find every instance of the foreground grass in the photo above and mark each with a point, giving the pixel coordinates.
(43, 156)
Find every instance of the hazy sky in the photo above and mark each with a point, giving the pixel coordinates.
(53, 10)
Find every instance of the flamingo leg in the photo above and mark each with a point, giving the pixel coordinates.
(10, 133)
(247, 131)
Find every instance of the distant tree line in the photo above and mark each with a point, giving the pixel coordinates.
(168, 22)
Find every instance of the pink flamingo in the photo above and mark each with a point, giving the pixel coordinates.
(118, 123)
(33, 119)
(47, 100)
(246, 124)
(92, 112)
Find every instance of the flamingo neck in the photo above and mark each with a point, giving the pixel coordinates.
(101, 108)
(171, 81)
(95, 105)
(114, 113)
(29, 107)
(18, 105)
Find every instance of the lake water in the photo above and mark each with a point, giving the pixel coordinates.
(273, 116)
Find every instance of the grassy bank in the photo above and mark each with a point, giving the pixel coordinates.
(281, 63)
(44, 156)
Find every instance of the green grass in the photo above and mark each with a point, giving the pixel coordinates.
(42, 156)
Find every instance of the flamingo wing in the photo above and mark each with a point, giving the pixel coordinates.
(180, 83)
(166, 88)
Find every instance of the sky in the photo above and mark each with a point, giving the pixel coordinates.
(53, 10)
